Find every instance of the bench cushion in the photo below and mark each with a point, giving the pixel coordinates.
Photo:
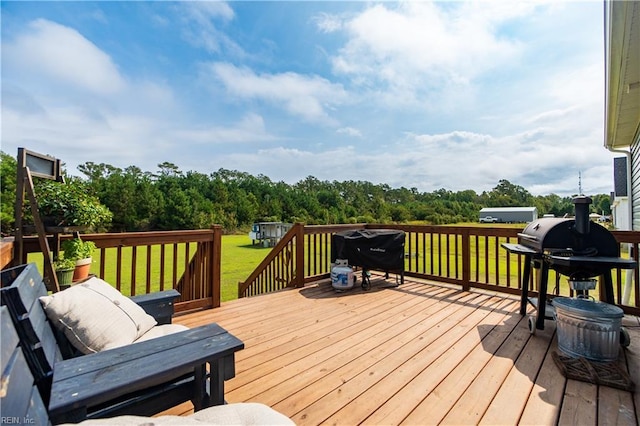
(94, 316)
(247, 413)
(161, 330)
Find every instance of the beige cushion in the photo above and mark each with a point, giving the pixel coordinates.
(94, 316)
(161, 330)
(248, 413)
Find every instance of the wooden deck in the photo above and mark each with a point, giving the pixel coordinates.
(420, 353)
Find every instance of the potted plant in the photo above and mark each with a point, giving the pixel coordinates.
(64, 271)
(70, 205)
(81, 253)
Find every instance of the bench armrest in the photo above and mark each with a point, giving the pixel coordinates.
(82, 384)
(159, 304)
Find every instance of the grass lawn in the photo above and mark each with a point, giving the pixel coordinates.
(239, 259)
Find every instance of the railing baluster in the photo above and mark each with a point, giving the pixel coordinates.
(163, 259)
(508, 260)
(497, 259)
(134, 262)
(448, 236)
(477, 256)
(119, 269)
(148, 270)
(174, 260)
(431, 253)
(455, 256)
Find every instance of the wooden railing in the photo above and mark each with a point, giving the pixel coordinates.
(144, 262)
(468, 256)
(189, 261)
(278, 270)
(280, 267)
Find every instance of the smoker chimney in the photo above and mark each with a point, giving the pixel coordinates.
(582, 204)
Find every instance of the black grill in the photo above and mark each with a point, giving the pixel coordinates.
(371, 249)
(576, 248)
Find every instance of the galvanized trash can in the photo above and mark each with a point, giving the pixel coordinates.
(588, 329)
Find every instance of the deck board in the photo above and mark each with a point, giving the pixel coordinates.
(373, 386)
(543, 404)
(633, 359)
(420, 353)
(429, 389)
(507, 406)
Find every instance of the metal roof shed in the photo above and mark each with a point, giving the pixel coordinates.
(510, 214)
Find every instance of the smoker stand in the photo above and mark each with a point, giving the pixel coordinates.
(543, 309)
(591, 265)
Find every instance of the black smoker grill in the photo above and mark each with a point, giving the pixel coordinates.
(377, 249)
(576, 248)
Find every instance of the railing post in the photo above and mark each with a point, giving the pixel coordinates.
(299, 254)
(466, 260)
(6, 252)
(216, 260)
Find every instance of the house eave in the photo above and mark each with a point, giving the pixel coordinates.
(622, 67)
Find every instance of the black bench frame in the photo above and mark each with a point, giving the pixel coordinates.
(142, 378)
(20, 399)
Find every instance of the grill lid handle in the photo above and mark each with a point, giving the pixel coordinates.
(527, 236)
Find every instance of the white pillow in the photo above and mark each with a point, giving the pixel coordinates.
(161, 331)
(94, 316)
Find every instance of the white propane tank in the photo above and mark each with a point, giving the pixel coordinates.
(342, 277)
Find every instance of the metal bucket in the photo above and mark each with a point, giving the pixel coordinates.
(588, 329)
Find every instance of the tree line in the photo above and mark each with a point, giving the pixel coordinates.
(170, 199)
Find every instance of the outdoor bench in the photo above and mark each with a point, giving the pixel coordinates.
(142, 378)
(22, 403)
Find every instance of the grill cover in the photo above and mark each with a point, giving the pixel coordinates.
(370, 249)
(560, 236)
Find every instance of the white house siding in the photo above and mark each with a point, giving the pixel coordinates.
(635, 182)
(620, 212)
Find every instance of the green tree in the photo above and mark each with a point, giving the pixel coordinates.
(8, 174)
(601, 204)
(506, 194)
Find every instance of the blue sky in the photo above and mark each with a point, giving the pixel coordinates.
(431, 95)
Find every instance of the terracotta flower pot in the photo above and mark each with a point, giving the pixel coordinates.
(82, 269)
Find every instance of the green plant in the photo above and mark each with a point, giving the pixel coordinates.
(64, 264)
(70, 204)
(77, 249)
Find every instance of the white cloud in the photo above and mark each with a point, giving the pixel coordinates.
(328, 23)
(419, 47)
(62, 54)
(463, 160)
(204, 11)
(304, 96)
(250, 129)
(350, 131)
(201, 29)
(271, 162)
(60, 92)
